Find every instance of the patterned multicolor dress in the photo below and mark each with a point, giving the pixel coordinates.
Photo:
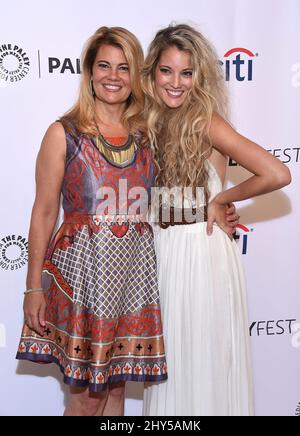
(103, 319)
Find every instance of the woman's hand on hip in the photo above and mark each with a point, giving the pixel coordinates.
(222, 214)
(232, 216)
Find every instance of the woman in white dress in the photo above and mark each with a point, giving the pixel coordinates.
(201, 278)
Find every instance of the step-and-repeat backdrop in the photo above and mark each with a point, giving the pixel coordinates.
(258, 43)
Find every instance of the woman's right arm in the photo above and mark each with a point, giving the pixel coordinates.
(50, 167)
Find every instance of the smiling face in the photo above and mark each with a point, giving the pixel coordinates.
(173, 76)
(110, 75)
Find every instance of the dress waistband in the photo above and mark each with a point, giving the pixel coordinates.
(95, 219)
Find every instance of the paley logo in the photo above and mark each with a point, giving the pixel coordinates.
(66, 65)
(14, 63)
(13, 252)
(242, 233)
(241, 60)
(58, 65)
(272, 327)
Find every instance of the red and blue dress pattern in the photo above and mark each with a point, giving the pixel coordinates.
(103, 319)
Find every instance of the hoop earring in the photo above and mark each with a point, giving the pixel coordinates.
(92, 88)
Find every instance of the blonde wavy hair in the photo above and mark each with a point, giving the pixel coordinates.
(180, 137)
(83, 114)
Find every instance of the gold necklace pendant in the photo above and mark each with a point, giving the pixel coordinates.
(119, 155)
(113, 147)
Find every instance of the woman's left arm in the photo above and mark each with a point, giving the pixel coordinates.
(269, 172)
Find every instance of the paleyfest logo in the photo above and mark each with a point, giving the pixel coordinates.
(14, 63)
(285, 154)
(239, 64)
(242, 233)
(272, 327)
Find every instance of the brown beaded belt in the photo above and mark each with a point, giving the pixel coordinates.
(180, 216)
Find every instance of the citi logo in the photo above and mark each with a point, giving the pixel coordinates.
(239, 64)
(243, 236)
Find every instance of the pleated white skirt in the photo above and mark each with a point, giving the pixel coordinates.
(204, 309)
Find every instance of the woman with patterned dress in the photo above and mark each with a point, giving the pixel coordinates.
(201, 279)
(92, 303)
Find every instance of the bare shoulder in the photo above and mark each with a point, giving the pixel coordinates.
(54, 141)
(55, 132)
(221, 130)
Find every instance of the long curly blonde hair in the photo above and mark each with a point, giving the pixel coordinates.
(180, 137)
(82, 114)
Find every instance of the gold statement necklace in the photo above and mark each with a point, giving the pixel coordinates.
(120, 155)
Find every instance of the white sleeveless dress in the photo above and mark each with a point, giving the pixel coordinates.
(204, 310)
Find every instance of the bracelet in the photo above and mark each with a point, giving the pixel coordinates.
(28, 291)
